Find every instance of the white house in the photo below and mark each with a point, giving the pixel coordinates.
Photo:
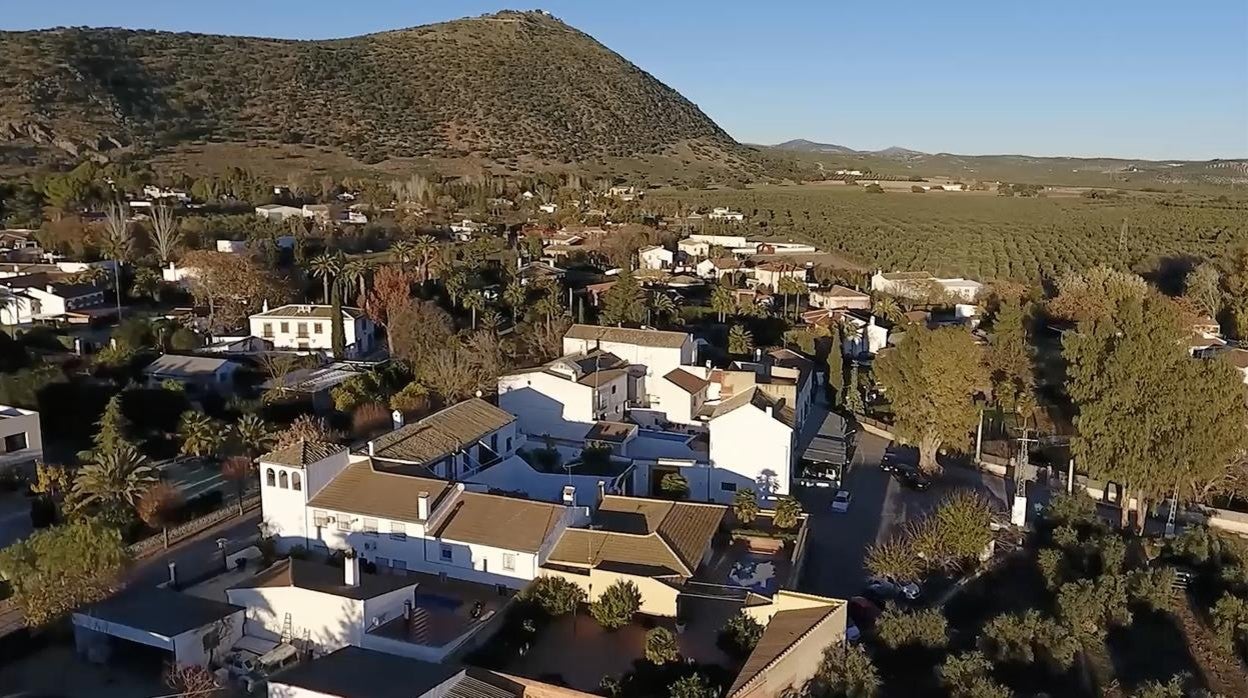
(866, 337)
(50, 301)
(655, 257)
(839, 298)
(152, 191)
(769, 274)
(720, 213)
(278, 213)
(452, 443)
(753, 440)
(309, 327)
(922, 285)
(567, 396)
(659, 351)
(320, 497)
(725, 241)
(191, 630)
(674, 398)
(694, 249)
(548, 208)
(197, 374)
(715, 269)
(21, 436)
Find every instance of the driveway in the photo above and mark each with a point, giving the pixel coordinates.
(880, 508)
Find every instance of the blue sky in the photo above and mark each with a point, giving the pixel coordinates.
(1123, 78)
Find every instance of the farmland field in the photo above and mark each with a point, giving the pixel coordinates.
(982, 235)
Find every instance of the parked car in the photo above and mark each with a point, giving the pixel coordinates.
(912, 479)
(840, 502)
(852, 634)
(888, 463)
(887, 589)
(863, 612)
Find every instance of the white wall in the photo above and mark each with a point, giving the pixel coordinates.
(189, 646)
(757, 447)
(547, 404)
(513, 474)
(657, 360)
(357, 332)
(476, 563)
(329, 621)
(14, 420)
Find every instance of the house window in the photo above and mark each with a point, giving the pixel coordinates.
(613, 389)
(268, 329)
(399, 565)
(270, 478)
(344, 524)
(319, 518)
(296, 482)
(728, 486)
(285, 327)
(302, 329)
(282, 480)
(14, 442)
(317, 328)
(370, 527)
(447, 553)
(398, 530)
(509, 444)
(509, 562)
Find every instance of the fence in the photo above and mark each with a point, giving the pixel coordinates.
(179, 533)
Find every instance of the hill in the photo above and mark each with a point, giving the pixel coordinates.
(518, 89)
(1062, 171)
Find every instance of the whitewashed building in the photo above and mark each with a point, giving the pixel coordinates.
(309, 328)
(21, 436)
(752, 445)
(922, 285)
(655, 257)
(659, 351)
(567, 396)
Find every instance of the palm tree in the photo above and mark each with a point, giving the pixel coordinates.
(424, 248)
(165, 233)
(514, 296)
(116, 480)
(474, 301)
(356, 271)
(740, 340)
(146, 283)
(403, 251)
(117, 243)
(456, 283)
(887, 308)
(491, 320)
(723, 301)
(202, 436)
(660, 305)
(325, 266)
(253, 434)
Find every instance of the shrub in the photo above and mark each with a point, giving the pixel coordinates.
(692, 686)
(788, 513)
(845, 670)
(661, 647)
(895, 558)
(614, 609)
(925, 628)
(739, 636)
(554, 595)
(370, 418)
(969, 675)
(674, 486)
(745, 505)
(184, 339)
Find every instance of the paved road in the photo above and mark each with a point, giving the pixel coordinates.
(199, 555)
(880, 507)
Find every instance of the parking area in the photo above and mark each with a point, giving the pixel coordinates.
(879, 508)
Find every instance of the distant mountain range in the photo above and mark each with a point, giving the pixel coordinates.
(1026, 168)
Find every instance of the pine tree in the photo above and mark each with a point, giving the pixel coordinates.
(113, 426)
(853, 391)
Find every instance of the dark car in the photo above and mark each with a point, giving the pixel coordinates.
(912, 479)
(889, 463)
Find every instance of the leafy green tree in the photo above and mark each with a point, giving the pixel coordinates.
(360, 389)
(1230, 622)
(922, 628)
(55, 571)
(1174, 688)
(185, 340)
(554, 595)
(1150, 417)
(1203, 287)
(146, 284)
(845, 671)
(692, 686)
(788, 514)
(624, 302)
(740, 635)
(515, 296)
(745, 505)
(1095, 293)
(616, 606)
(1090, 607)
(853, 391)
(661, 647)
(931, 380)
(337, 334)
(969, 675)
(964, 522)
(1235, 289)
(112, 429)
(674, 486)
(1009, 355)
(740, 341)
(1025, 638)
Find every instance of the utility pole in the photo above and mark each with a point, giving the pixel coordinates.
(1018, 512)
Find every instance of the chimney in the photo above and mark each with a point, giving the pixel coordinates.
(767, 409)
(49, 288)
(758, 354)
(371, 448)
(422, 506)
(407, 609)
(173, 575)
(569, 495)
(397, 418)
(173, 267)
(264, 307)
(351, 569)
(602, 491)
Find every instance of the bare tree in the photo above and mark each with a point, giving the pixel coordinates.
(165, 233)
(117, 243)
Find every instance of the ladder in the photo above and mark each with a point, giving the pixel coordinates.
(286, 632)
